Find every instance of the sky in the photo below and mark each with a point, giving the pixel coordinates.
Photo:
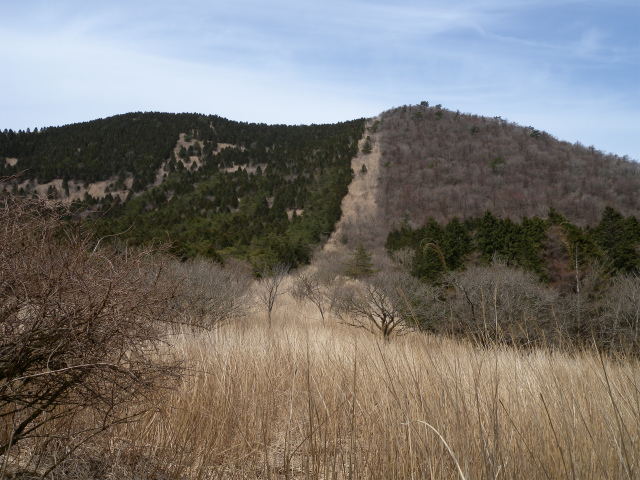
(570, 68)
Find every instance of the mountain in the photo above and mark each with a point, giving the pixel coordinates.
(455, 189)
(209, 185)
(215, 187)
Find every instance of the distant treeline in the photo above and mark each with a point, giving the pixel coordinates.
(557, 251)
(133, 143)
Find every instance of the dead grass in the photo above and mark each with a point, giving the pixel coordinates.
(307, 400)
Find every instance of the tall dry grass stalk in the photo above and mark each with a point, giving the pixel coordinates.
(307, 400)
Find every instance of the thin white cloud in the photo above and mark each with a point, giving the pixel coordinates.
(112, 80)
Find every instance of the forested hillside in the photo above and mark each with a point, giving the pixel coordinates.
(267, 194)
(556, 251)
(442, 164)
(133, 143)
(271, 193)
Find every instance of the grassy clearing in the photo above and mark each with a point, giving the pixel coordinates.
(307, 400)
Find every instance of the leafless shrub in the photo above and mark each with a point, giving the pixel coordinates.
(618, 309)
(209, 294)
(386, 302)
(315, 287)
(403, 258)
(508, 305)
(81, 333)
(580, 315)
(498, 303)
(624, 303)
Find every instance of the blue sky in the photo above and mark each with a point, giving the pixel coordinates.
(571, 68)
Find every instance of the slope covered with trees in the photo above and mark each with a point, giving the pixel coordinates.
(442, 164)
(267, 193)
(133, 143)
(271, 193)
(554, 249)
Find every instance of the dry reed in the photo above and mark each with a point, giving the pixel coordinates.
(307, 400)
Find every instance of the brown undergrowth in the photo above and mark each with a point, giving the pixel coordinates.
(294, 397)
(307, 400)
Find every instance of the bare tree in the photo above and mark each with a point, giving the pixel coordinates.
(624, 302)
(269, 287)
(403, 258)
(315, 287)
(617, 312)
(81, 333)
(386, 302)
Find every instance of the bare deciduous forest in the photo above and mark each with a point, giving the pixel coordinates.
(441, 164)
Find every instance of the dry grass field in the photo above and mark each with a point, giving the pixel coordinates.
(307, 400)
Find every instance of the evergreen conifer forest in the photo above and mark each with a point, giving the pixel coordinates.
(263, 193)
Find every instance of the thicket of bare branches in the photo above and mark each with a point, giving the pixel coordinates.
(489, 304)
(500, 304)
(81, 334)
(209, 294)
(441, 165)
(623, 305)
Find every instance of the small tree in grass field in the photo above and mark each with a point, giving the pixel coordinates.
(270, 282)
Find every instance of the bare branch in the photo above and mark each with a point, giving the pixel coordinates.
(81, 327)
(270, 281)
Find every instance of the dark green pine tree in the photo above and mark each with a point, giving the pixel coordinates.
(456, 244)
(633, 229)
(615, 236)
(488, 235)
(367, 148)
(430, 262)
(360, 265)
